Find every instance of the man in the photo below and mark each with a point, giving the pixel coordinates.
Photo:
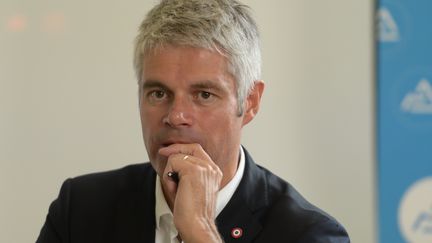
(198, 69)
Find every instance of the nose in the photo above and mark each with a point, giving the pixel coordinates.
(179, 113)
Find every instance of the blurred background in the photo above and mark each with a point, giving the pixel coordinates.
(68, 103)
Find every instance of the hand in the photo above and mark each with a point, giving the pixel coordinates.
(193, 199)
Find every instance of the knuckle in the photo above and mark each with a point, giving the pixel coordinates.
(219, 172)
(197, 147)
(173, 158)
(200, 168)
(209, 167)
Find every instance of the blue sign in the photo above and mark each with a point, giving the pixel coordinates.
(404, 73)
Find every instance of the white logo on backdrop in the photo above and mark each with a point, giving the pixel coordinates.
(388, 30)
(419, 101)
(415, 212)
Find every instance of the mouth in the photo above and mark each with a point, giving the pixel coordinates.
(168, 138)
(166, 145)
(169, 143)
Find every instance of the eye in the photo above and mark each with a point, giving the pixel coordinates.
(205, 95)
(156, 96)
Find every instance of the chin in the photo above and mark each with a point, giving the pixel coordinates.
(159, 164)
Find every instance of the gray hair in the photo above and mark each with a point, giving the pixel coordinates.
(225, 26)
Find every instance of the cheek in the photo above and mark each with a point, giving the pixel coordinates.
(147, 125)
(223, 125)
(144, 123)
(149, 118)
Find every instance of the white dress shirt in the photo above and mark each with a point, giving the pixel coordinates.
(165, 229)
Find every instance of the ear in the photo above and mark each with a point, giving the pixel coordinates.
(253, 101)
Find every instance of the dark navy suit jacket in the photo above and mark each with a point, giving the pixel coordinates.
(119, 206)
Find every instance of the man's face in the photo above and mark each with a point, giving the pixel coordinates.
(188, 96)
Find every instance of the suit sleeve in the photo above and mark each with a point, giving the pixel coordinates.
(56, 227)
(328, 231)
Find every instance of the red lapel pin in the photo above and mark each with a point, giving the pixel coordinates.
(236, 233)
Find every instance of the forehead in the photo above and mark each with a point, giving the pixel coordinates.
(184, 61)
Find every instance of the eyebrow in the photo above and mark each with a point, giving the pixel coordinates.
(207, 84)
(148, 84)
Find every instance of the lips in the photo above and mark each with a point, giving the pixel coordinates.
(166, 138)
(174, 141)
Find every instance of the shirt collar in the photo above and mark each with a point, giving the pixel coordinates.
(161, 208)
(224, 195)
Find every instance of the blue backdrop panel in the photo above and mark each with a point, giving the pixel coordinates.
(404, 76)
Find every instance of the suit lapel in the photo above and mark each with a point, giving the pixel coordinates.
(239, 220)
(136, 210)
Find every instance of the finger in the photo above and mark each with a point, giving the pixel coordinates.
(193, 149)
(189, 169)
(176, 164)
(182, 163)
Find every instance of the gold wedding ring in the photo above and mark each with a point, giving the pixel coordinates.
(185, 157)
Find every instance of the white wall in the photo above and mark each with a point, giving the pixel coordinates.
(68, 103)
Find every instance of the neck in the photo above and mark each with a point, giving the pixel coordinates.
(230, 170)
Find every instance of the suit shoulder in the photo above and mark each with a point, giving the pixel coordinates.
(130, 170)
(88, 206)
(287, 207)
(285, 199)
(131, 177)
